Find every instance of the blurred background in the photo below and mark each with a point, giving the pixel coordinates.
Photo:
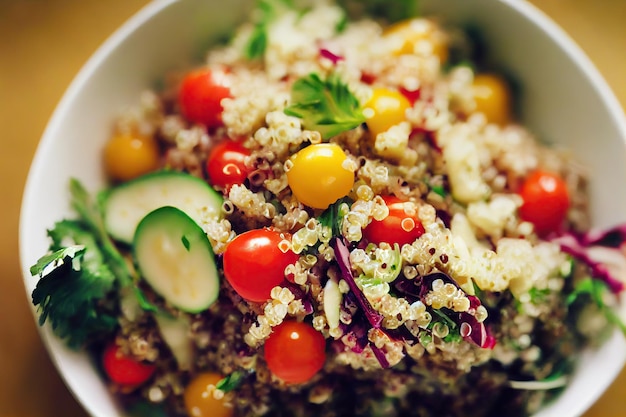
(43, 43)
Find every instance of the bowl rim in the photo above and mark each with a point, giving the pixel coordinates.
(530, 12)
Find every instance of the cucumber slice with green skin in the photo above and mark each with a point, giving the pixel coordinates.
(125, 205)
(175, 257)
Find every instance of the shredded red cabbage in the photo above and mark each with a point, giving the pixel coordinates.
(601, 251)
(470, 328)
(342, 254)
(325, 53)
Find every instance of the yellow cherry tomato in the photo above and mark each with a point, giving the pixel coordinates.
(418, 36)
(199, 398)
(493, 98)
(127, 156)
(318, 176)
(384, 109)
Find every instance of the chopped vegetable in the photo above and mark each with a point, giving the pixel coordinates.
(596, 290)
(231, 381)
(175, 332)
(267, 12)
(295, 352)
(255, 262)
(342, 255)
(125, 370)
(77, 278)
(401, 226)
(201, 94)
(327, 106)
(493, 98)
(125, 205)
(184, 275)
(386, 108)
(201, 399)
(318, 175)
(128, 156)
(226, 164)
(545, 201)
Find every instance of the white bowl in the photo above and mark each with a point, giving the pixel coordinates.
(564, 100)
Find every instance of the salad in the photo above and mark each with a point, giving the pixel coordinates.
(333, 217)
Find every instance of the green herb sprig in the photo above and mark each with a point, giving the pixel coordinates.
(596, 289)
(82, 269)
(327, 106)
(266, 12)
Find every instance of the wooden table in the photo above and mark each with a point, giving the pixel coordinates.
(43, 43)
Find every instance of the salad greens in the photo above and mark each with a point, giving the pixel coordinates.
(267, 11)
(327, 106)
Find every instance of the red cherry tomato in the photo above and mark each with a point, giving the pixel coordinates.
(200, 96)
(546, 201)
(124, 370)
(226, 165)
(295, 352)
(254, 263)
(398, 227)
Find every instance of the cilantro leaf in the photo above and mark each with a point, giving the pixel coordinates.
(266, 11)
(327, 106)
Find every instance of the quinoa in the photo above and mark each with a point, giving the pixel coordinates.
(476, 300)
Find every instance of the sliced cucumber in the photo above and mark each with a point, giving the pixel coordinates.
(125, 205)
(175, 257)
(176, 332)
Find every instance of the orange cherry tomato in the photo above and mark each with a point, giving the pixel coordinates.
(295, 352)
(493, 98)
(127, 156)
(254, 263)
(200, 96)
(398, 227)
(384, 109)
(545, 201)
(123, 369)
(199, 400)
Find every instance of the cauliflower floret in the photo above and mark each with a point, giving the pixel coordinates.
(463, 160)
(393, 144)
(491, 217)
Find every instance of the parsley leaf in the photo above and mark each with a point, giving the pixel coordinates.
(266, 11)
(332, 217)
(327, 106)
(231, 382)
(69, 293)
(595, 289)
(82, 270)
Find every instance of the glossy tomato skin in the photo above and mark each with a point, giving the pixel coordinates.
(398, 227)
(254, 263)
(199, 399)
(124, 370)
(200, 96)
(545, 201)
(226, 164)
(295, 352)
(318, 176)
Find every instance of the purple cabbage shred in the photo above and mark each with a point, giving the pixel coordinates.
(601, 252)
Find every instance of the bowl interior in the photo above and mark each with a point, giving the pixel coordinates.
(564, 100)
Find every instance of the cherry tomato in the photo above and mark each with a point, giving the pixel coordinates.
(127, 156)
(384, 109)
(125, 370)
(318, 177)
(546, 201)
(295, 352)
(199, 399)
(398, 227)
(254, 263)
(200, 96)
(493, 98)
(416, 35)
(226, 165)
